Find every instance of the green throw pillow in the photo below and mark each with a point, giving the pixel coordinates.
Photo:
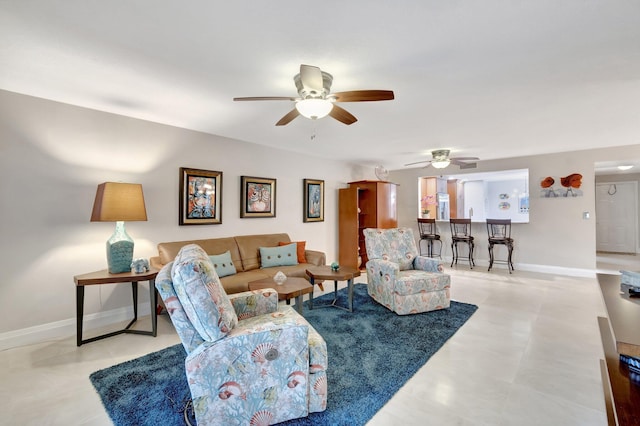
(279, 256)
(223, 264)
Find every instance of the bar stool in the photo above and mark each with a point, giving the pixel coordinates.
(461, 233)
(429, 233)
(499, 232)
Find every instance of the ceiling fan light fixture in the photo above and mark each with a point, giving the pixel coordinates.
(314, 108)
(440, 164)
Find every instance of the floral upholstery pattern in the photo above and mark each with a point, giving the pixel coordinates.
(402, 285)
(268, 368)
(189, 336)
(201, 294)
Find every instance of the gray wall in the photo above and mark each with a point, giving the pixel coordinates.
(53, 156)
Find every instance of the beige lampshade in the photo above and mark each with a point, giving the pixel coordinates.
(119, 202)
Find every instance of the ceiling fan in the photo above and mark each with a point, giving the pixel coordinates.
(315, 99)
(441, 160)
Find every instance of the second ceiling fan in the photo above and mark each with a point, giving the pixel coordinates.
(440, 160)
(315, 99)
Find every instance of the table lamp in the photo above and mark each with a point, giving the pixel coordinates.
(119, 202)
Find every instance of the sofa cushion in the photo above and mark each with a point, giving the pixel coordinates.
(279, 256)
(168, 251)
(249, 247)
(202, 296)
(301, 250)
(223, 264)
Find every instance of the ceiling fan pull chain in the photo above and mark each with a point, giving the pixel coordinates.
(313, 130)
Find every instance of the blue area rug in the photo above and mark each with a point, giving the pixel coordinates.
(372, 353)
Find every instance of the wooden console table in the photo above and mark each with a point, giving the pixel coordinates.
(620, 334)
(104, 277)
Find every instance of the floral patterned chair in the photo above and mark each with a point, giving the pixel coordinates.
(401, 280)
(248, 361)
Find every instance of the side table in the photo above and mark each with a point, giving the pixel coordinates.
(292, 287)
(345, 273)
(104, 277)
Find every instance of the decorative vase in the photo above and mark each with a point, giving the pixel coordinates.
(279, 278)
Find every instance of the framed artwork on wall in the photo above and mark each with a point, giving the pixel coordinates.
(257, 197)
(313, 200)
(200, 197)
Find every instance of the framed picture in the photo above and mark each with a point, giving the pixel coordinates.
(257, 197)
(200, 197)
(313, 200)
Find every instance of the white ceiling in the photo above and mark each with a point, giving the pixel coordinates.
(491, 79)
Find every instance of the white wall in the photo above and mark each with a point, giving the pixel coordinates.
(53, 156)
(556, 237)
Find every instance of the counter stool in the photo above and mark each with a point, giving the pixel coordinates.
(429, 233)
(499, 232)
(461, 233)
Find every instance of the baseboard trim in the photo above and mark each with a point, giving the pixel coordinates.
(529, 267)
(65, 328)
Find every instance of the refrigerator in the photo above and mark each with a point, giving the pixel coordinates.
(443, 206)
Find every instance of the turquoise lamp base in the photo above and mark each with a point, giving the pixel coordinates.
(119, 250)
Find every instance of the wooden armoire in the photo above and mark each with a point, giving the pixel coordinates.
(364, 204)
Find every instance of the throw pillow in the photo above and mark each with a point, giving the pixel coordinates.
(278, 256)
(223, 264)
(300, 250)
(202, 296)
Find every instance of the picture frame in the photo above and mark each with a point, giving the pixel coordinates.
(200, 197)
(313, 200)
(257, 197)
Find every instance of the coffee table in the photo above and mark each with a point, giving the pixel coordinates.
(345, 273)
(292, 287)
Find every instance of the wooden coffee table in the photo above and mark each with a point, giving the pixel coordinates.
(292, 287)
(345, 273)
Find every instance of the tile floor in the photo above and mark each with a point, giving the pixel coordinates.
(528, 356)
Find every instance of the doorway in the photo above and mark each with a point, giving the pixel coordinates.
(616, 217)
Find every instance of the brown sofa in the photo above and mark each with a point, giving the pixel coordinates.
(245, 254)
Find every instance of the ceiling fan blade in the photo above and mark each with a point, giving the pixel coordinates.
(364, 95)
(288, 117)
(311, 78)
(467, 165)
(464, 158)
(342, 115)
(419, 162)
(266, 98)
(463, 164)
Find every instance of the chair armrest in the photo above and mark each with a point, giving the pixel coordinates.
(263, 354)
(377, 269)
(249, 304)
(428, 264)
(314, 257)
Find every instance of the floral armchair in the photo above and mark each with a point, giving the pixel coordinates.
(248, 361)
(401, 280)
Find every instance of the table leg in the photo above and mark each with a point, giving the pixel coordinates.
(350, 290)
(79, 312)
(299, 304)
(134, 291)
(153, 296)
(312, 281)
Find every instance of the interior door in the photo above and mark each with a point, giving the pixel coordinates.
(616, 217)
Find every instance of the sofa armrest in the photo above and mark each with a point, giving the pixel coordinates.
(155, 262)
(248, 304)
(428, 264)
(314, 257)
